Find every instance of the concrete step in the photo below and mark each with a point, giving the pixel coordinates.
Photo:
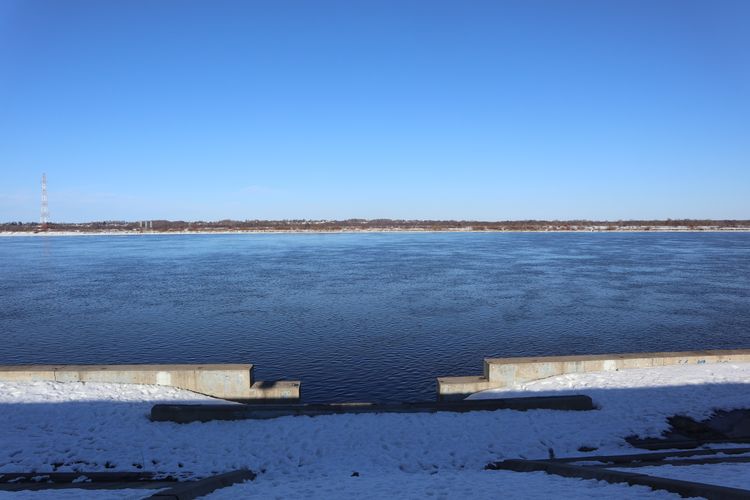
(184, 413)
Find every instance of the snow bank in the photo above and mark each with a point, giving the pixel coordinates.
(103, 427)
(57, 392)
(458, 485)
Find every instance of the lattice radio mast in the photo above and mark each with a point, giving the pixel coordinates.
(44, 219)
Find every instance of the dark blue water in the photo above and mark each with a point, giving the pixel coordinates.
(368, 316)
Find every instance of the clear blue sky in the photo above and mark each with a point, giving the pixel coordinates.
(404, 109)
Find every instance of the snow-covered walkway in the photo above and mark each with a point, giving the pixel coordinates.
(105, 427)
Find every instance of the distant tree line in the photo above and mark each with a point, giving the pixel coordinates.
(378, 224)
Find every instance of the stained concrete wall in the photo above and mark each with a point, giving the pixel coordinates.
(459, 387)
(278, 390)
(230, 381)
(505, 372)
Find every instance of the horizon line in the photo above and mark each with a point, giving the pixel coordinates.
(385, 220)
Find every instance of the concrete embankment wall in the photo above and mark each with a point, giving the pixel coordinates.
(505, 372)
(226, 381)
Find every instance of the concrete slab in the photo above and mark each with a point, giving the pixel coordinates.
(194, 489)
(39, 480)
(185, 413)
(683, 488)
(456, 388)
(276, 390)
(505, 372)
(226, 381)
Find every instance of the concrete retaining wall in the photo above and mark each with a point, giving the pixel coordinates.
(450, 388)
(226, 381)
(505, 372)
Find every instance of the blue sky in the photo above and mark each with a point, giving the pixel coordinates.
(405, 109)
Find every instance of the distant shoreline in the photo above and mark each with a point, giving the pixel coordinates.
(366, 231)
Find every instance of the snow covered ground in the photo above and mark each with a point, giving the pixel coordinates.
(449, 485)
(76, 494)
(91, 427)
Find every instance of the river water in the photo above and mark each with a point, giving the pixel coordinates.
(368, 317)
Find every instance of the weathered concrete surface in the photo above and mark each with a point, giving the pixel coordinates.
(687, 489)
(29, 481)
(226, 381)
(277, 390)
(460, 387)
(193, 489)
(505, 372)
(185, 413)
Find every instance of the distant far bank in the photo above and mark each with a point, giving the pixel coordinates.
(368, 226)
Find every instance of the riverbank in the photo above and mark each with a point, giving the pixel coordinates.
(99, 427)
(365, 231)
(402, 309)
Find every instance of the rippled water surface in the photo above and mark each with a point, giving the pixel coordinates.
(368, 316)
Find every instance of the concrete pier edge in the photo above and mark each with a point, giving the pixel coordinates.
(193, 489)
(224, 381)
(502, 373)
(187, 413)
(680, 487)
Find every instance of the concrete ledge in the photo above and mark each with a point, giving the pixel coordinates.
(95, 485)
(455, 388)
(278, 390)
(230, 381)
(682, 444)
(37, 481)
(504, 372)
(186, 413)
(69, 477)
(651, 458)
(180, 490)
(500, 373)
(682, 488)
(194, 489)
